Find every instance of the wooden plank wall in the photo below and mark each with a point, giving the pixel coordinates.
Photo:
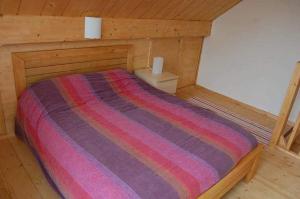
(181, 57)
(20, 34)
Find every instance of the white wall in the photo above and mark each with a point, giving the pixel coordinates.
(252, 52)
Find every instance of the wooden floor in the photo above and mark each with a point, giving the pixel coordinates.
(278, 176)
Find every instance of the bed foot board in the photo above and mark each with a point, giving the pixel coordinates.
(254, 167)
(245, 169)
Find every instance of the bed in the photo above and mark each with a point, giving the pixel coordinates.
(100, 132)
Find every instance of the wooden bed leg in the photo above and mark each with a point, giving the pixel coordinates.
(253, 168)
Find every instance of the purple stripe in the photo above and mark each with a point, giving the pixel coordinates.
(213, 156)
(144, 181)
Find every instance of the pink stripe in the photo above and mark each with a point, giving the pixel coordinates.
(198, 168)
(28, 104)
(30, 111)
(97, 181)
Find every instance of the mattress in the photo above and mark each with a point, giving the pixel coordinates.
(111, 135)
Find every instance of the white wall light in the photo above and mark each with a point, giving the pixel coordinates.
(157, 67)
(92, 27)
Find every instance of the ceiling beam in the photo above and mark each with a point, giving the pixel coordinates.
(33, 29)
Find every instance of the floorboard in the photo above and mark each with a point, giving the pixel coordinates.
(32, 167)
(4, 193)
(15, 175)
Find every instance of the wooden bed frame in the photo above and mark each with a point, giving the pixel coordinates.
(31, 67)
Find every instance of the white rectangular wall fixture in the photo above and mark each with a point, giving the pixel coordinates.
(157, 67)
(92, 27)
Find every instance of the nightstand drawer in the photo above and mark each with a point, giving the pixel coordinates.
(167, 86)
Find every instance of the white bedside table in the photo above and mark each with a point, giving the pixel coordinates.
(166, 81)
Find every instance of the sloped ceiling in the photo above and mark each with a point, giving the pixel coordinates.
(206, 10)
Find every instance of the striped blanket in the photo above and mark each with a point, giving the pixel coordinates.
(111, 135)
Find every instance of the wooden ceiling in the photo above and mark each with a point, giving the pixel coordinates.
(138, 9)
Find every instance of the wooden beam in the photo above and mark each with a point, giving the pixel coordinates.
(146, 28)
(2, 119)
(286, 106)
(19, 74)
(294, 133)
(33, 29)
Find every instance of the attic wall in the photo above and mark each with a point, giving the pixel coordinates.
(179, 45)
(252, 53)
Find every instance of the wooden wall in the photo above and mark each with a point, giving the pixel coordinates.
(181, 57)
(179, 45)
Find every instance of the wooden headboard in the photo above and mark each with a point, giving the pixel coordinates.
(31, 67)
